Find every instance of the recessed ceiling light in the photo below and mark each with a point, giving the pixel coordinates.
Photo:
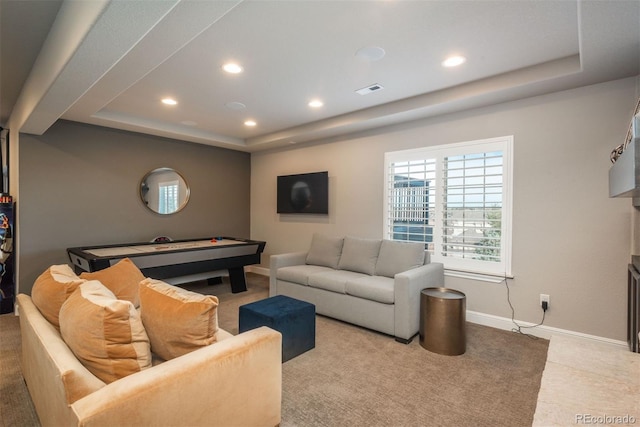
(169, 101)
(454, 61)
(250, 123)
(316, 103)
(232, 68)
(188, 123)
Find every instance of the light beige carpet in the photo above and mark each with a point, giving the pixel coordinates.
(588, 382)
(16, 408)
(357, 377)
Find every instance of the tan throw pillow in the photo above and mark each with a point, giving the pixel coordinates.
(177, 321)
(105, 334)
(52, 288)
(123, 279)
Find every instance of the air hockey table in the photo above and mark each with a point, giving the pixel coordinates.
(178, 261)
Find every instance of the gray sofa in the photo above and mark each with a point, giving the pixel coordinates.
(368, 282)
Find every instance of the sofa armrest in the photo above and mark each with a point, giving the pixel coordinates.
(283, 260)
(237, 381)
(407, 287)
(54, 376)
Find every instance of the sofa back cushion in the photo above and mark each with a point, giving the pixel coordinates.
(52, 288)
(178, 321)
(396, 257)
(105, 334)
(359, 255)
(325, 250)
(122, 278)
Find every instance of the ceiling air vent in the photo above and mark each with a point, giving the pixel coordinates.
(369, 89)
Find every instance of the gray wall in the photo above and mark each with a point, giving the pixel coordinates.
(569, 239)
(79, 184)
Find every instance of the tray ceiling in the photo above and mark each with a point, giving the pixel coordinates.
(110, 63)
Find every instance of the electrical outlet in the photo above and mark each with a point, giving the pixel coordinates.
(543, 298)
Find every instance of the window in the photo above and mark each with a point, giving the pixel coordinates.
(456, 198)
(168, 197)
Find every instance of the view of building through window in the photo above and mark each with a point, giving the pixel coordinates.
(412, 201)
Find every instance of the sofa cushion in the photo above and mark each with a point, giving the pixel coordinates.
(359, 255)
(396, 257)
(122, 278)
(52, 288)
(333, 280)
(299, 273)
(105, 334)
(374, 288)
(325, 250)
(177, 321)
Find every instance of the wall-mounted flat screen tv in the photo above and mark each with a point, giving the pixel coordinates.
(304, 193)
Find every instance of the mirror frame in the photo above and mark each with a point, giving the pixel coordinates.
(144, 189)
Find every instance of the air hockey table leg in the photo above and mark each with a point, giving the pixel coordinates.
(237, 279)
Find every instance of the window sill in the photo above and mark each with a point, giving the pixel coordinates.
(483, 277)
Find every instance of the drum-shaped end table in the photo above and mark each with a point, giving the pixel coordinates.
(443, 321)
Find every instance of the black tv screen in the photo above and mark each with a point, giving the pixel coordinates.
(304, 193)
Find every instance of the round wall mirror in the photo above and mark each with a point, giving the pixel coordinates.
(164, 191)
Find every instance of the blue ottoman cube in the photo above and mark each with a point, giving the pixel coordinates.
(294, 319)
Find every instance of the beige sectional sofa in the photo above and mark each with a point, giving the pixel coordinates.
(368, 282)
(235, 380)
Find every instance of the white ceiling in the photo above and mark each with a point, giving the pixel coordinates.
(110, 62)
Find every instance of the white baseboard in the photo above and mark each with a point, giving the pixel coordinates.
(257, 269)
(541, 331)
(504, 323)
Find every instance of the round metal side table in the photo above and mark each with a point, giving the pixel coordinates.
(443, 321)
